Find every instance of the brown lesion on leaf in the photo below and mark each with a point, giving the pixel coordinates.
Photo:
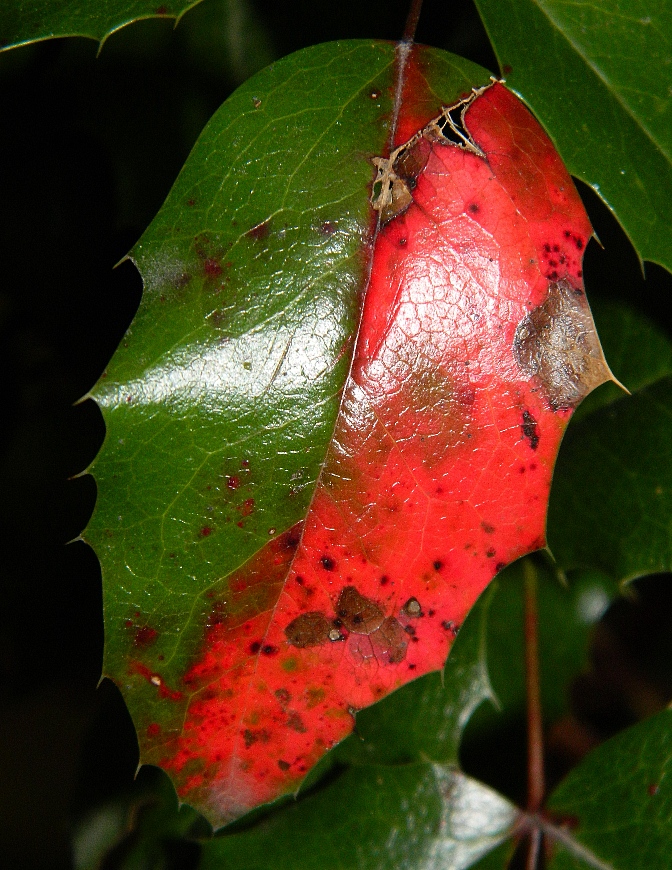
(397, 174)
(412, 608)
(530, 430)
(557, 343)
(358, 614)
(391, 641)
(309, 629)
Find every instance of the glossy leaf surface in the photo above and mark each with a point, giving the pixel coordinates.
(615, 480)
(324, 439)
(621, 795)
(411, 816)
(23, 21)
(609, 109)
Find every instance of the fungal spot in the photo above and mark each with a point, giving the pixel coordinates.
(389, 642)
(255, 646)
(284, 765)
(358, 614)
(327, 563)
(260, 735)
(491, 553)
(487, 528)
(557, 343)
(309, 629)
(449, 626)
(529, 427)
(409, 629)
(145, 636)
(295, 722)
(328, 228)
(260, 231)
(384, 580)
(212, 268)
(474, 208)
(283, 696)
(232, 481)
(437, 565)
(269, 650)
(412, 607)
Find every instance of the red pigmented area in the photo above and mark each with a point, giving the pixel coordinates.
(145, 637)
(427, 488)
(259, 232)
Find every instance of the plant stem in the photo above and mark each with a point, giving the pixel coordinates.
(412, 21)
(535, 741)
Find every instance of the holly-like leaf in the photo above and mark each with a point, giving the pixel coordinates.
(609, 109)
(23, 21)
(611, 503)
(326, 434)
(616, 804)
(416, 815)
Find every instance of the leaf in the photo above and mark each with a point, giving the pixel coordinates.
(638, 349)
(618, 802)
(22, 21)
(300, 501)
(611, 503)
(593, 75)
(412, 816)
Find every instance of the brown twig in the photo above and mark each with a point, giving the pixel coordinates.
(535, 741)
(412, 21)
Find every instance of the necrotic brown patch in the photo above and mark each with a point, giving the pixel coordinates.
(390, 642)
(358, 614)
(309, 629)
(558, 344)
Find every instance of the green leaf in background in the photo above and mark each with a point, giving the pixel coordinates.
(617, 803)
(610, 502)
(612, 497)
(406, 817)
(597, 77)
(23, 21)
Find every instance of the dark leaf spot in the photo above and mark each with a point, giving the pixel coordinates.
(327, 563)
(309, 629)
(260, 231)
(529, 427)
(295, 722)
(558, 344)
(145, 636)
(412, 607)
(358, 614)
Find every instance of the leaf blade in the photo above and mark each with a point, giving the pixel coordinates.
(623, 150)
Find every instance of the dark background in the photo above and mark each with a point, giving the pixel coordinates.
(89, 149)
